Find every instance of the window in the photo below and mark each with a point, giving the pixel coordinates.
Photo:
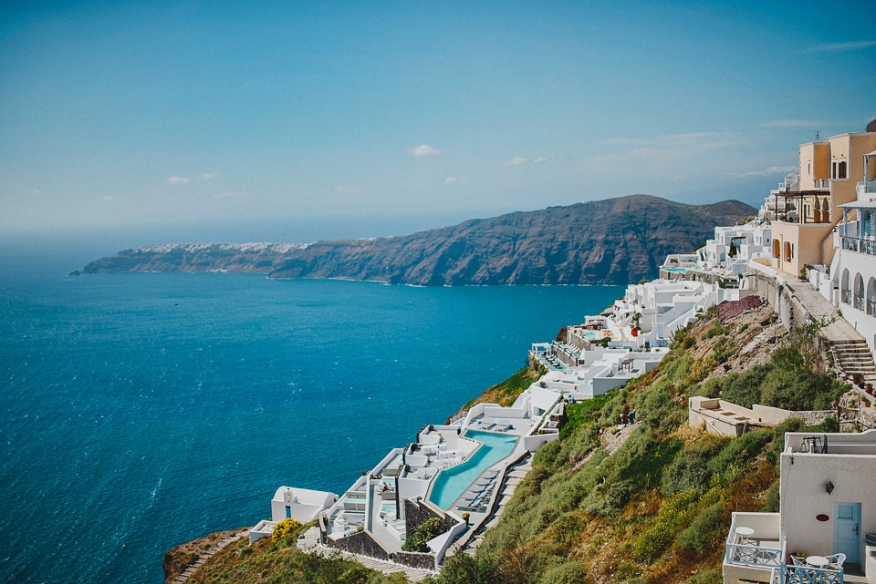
(788, 251)
(843, 169)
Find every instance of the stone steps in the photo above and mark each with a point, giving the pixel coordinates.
(202, 559)
(852, 357)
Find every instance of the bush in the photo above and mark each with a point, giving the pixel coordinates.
(689, 471)
(651, 544)
(706, 529)
(745, 389)
(566, 573)
(717, 329)
(285, 528)
(772, 499)
(427, 530)
(464, 569)
(709, 577)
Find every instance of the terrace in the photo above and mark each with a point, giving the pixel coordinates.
(754, 551)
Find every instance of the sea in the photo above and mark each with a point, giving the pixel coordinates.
(141, 411)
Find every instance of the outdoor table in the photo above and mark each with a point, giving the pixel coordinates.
(817, 561)
(744, 534)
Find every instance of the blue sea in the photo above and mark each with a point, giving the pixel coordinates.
(140, 411)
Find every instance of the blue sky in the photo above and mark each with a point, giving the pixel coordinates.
(295, 121)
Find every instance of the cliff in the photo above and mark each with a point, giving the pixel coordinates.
(614, 241)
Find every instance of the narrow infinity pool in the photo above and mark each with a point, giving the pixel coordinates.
(451, 483)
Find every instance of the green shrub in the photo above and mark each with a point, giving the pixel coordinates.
(464, 569)
(285, 528)
(709, 577)
(738, 452)
(427, 530)
(706, 529)
(772, 499)
(745, 389)
(717, 329)
(689, 471)
(566, 573)
(651, 544)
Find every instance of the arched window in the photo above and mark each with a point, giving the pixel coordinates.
(777, 249)
(871, 297)
(845, 291)
(843, 169)
(825, 211)
(787, 251)
(859, 292)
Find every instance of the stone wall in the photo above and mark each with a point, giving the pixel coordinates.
(418, 560)
(418, 512)
(360, 543)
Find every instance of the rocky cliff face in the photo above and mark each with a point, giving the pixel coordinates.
(615, 241)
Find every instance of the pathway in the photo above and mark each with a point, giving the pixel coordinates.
(202, 559)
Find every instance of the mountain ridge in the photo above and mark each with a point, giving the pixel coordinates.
(611, 241)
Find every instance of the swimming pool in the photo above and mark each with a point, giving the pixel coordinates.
(591, 334)
(451, 483)
(676, 270)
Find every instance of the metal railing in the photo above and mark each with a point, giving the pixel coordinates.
(867, 246)
(858, 303)
(806, 575)
(847, 296)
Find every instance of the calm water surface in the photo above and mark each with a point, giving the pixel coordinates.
(139, 411)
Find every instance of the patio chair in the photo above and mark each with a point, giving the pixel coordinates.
(835, 562)
(798, 561)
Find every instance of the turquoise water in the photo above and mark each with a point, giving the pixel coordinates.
(451, 483)
(676, 270)
(139, 411)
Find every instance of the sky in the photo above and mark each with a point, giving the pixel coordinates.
(132, 123)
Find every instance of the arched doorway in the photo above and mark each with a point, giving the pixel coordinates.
(859, 292)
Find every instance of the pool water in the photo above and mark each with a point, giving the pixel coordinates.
(676, 270)
(451, 483)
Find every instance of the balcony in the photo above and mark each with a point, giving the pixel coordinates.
(865, 245)
(755, 553)
(806, 575)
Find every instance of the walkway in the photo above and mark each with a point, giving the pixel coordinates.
(202, 559)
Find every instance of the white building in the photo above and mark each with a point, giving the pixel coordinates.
(733, 247)
(302, 505)
(827, 507)
(850, 284)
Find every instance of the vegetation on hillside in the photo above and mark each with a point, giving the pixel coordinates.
(656, 510)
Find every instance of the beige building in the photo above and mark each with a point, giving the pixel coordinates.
(829, 172)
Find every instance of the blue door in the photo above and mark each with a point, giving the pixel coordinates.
(847, 531)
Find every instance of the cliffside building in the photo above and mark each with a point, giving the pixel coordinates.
(827, 507)
(804, 221)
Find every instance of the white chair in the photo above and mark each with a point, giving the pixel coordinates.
(835, 562)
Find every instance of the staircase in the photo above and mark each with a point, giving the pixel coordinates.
(853, 357)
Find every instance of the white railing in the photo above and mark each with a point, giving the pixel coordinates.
(807, 575)
(752, 555)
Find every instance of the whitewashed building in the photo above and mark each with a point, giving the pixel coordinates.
(827, 507)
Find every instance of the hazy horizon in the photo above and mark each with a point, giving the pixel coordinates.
(141, 123)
